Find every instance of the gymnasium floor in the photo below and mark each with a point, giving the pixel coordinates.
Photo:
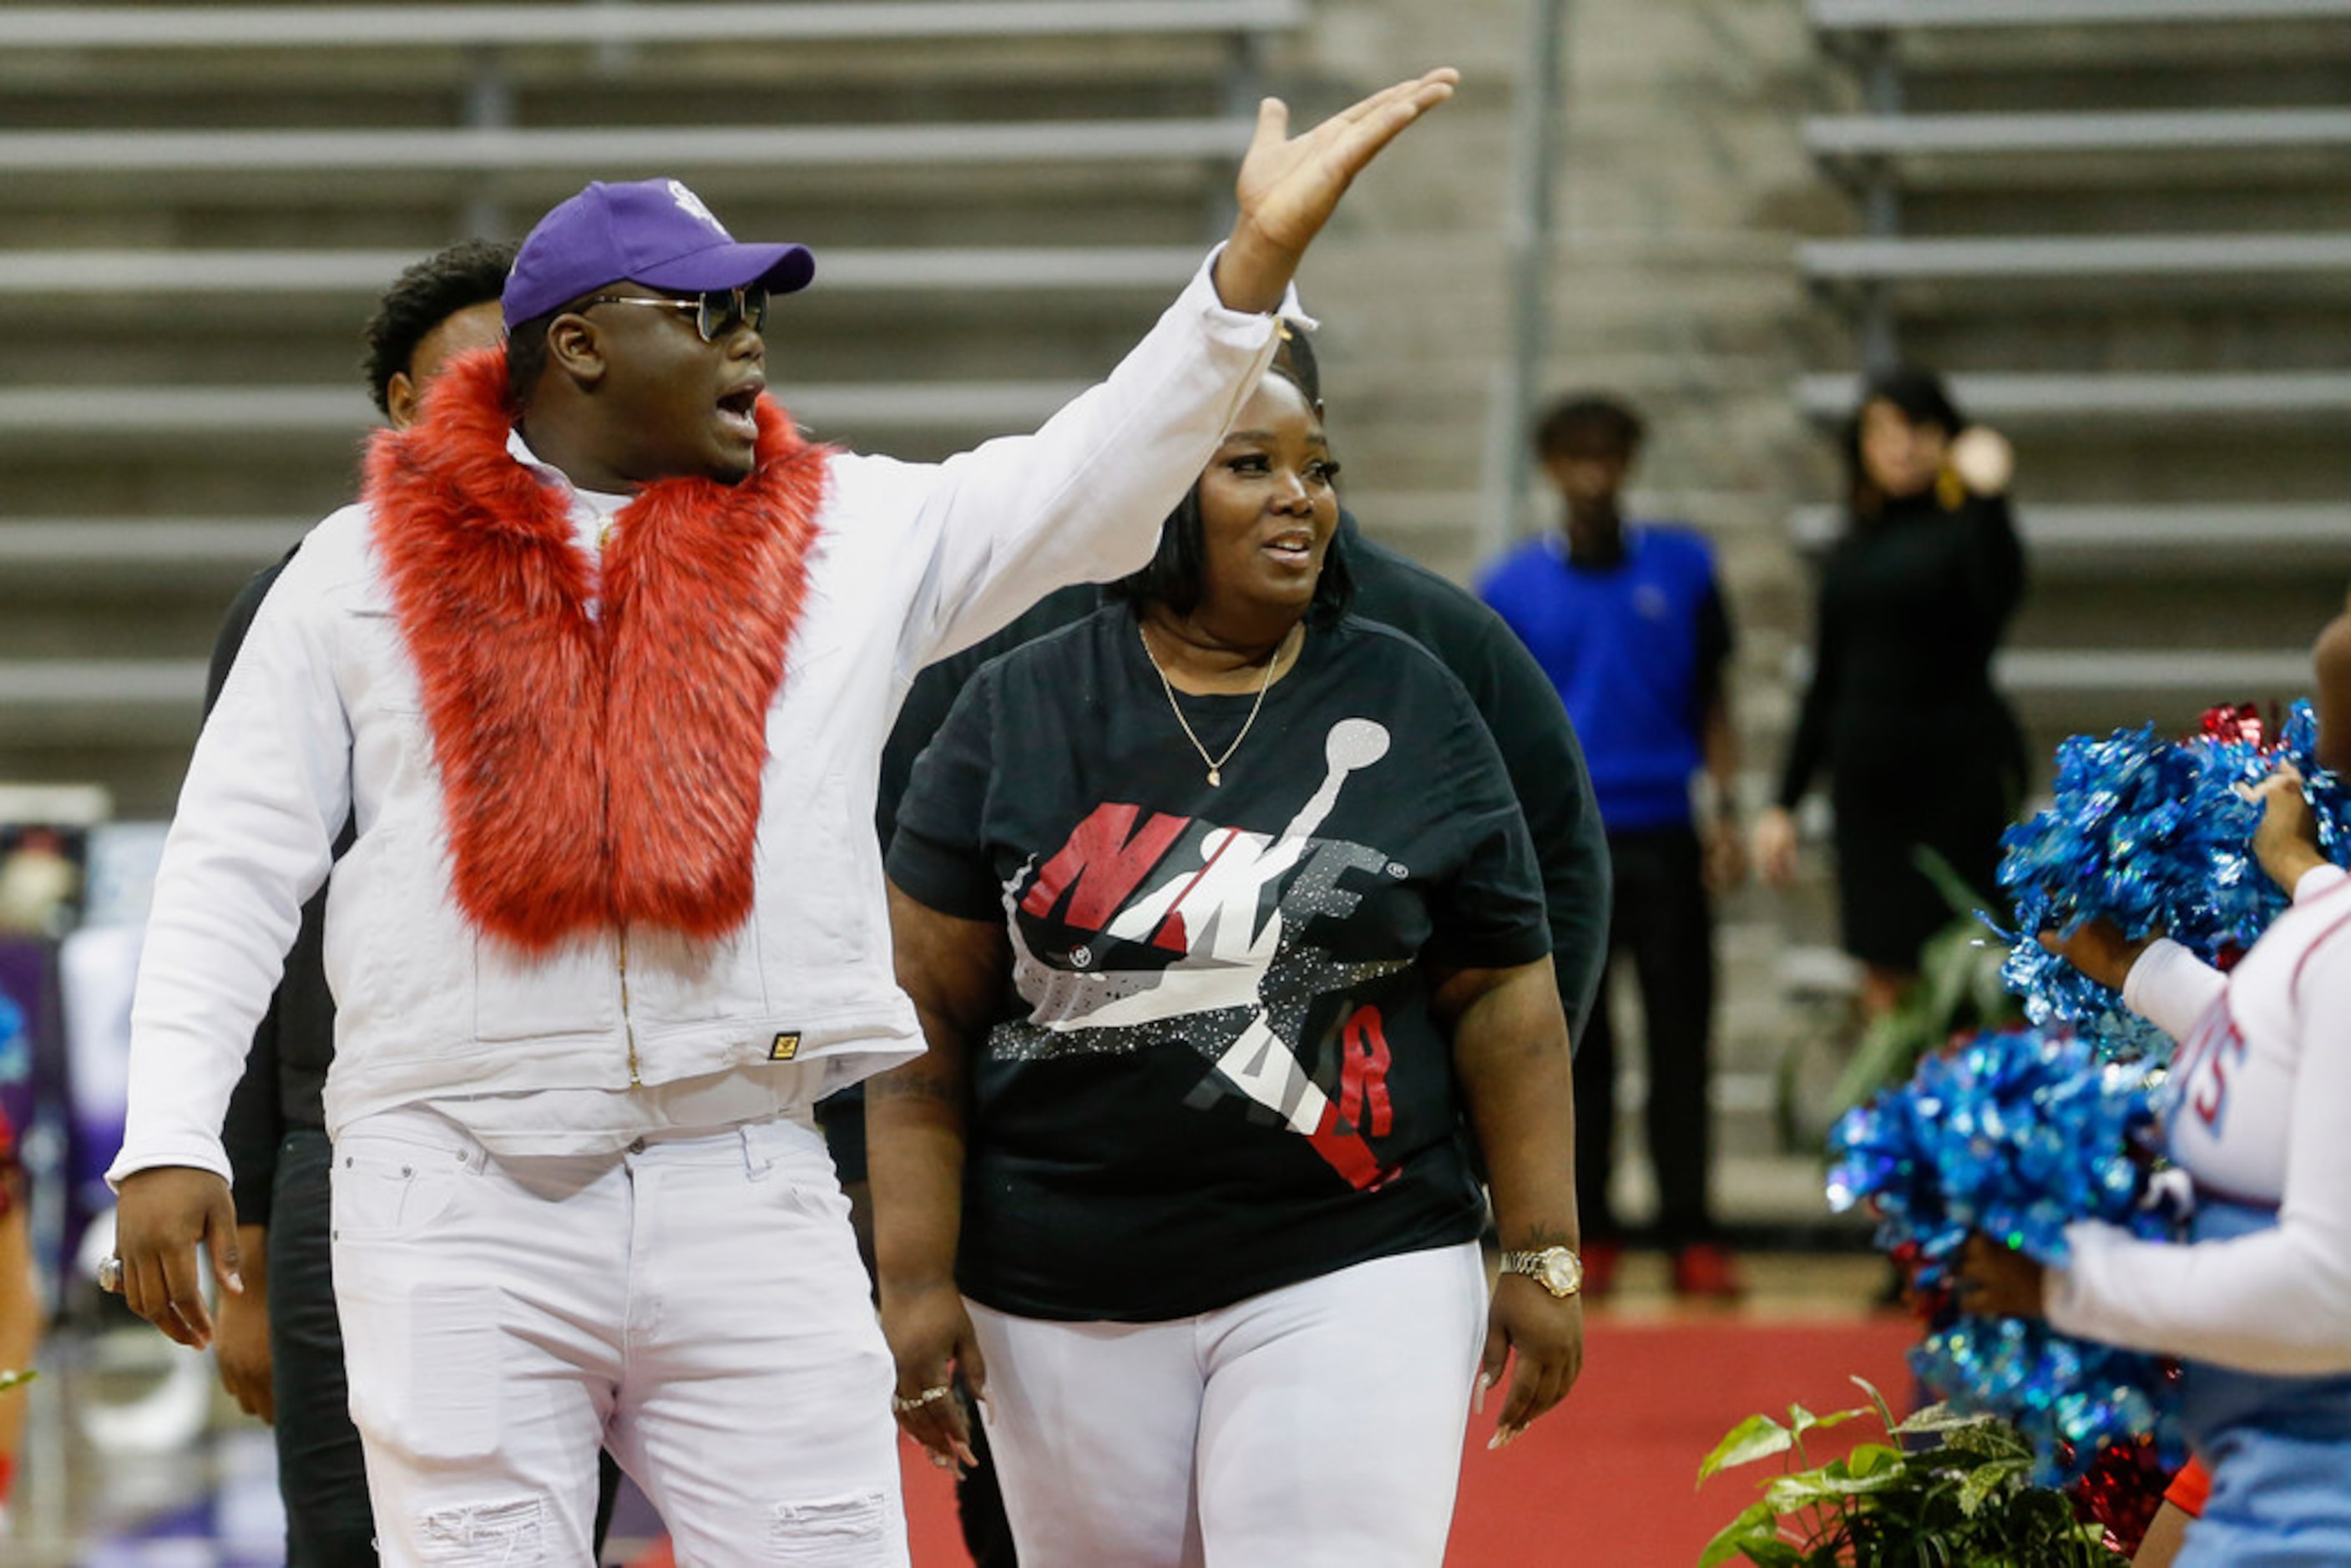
(1613, 1469)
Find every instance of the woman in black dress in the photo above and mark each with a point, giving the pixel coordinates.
(1921, 752)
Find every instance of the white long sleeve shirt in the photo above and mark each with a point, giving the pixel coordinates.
(2257, 1110)
(322, 717)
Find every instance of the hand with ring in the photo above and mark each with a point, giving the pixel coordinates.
(931, 1396)
(929, 1333)
(163, 1216)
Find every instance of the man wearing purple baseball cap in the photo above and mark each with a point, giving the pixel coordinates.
(599, 668)
(653, 231)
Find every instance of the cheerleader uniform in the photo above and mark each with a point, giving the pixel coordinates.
(2258, 1307)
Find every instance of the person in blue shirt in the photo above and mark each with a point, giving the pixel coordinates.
(1628, 621)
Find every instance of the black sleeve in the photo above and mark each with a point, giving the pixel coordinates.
(254, 1125)
(1545, 763)
(1714, 649)
(1808, 747)
(1993, 566)
(938, 855)
(936, 686)
(919, 718)
(1489, 914)
(235, 625)
(842, 1117)
(929, 700)
(1538, 743)
(256, 1121)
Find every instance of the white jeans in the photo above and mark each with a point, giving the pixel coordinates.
(1320, 1423)
(696, 1304)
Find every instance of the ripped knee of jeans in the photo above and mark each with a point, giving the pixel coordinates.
(487, 1535)
(848, 1531)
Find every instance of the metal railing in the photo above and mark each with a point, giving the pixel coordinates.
(2049, 398)
(2174, 258)
(618, 153)
(945, 269)
(209, 27)
(1883, 16)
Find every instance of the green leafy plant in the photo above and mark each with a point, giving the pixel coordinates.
(1942, 1492)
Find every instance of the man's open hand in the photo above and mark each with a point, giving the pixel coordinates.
(1289, 186)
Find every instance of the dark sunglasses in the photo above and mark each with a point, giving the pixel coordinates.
(716, 312)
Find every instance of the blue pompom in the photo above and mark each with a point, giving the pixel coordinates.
(2154, 836)
(2016, 1134)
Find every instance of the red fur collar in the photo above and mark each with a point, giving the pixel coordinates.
(596, 770)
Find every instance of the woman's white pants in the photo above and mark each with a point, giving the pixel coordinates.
(1317, 1424)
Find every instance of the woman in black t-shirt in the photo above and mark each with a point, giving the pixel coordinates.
(1231, 952)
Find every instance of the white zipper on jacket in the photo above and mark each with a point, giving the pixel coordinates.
(628, 1022)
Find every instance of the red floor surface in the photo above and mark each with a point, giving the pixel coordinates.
(1606, 1479)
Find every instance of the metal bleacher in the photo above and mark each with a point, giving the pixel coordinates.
(203, 202)
(2176, 261)
(2123, 228)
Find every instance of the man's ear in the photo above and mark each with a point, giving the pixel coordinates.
(401, 397)
(576, 348)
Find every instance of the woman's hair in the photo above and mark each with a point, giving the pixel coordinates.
(1918, 393)
(1174, 575)
(1919, 397)
(1294, 358)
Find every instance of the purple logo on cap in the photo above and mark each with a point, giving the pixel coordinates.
(653, 231)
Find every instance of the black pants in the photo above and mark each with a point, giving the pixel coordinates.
(1664, 921)
(979, 1505)
(321, 1474)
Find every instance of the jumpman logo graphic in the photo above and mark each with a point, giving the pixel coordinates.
(1259, 1063)
(1209, 913)
(1229, 906)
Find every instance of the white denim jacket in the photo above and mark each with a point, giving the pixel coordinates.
(322, 717)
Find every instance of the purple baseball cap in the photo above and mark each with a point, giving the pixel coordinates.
(653, 231)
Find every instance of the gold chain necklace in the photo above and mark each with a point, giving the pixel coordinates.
(1216, 764)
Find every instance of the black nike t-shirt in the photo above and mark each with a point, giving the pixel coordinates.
(1216, 1072)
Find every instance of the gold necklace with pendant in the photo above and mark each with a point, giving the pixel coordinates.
(1216, 765)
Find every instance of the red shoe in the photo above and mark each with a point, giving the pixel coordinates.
(1600, 1262)
(1703, 1269)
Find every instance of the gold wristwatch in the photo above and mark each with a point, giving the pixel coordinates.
(1556, 1269)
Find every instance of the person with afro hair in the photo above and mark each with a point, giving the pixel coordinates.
(437, 309)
